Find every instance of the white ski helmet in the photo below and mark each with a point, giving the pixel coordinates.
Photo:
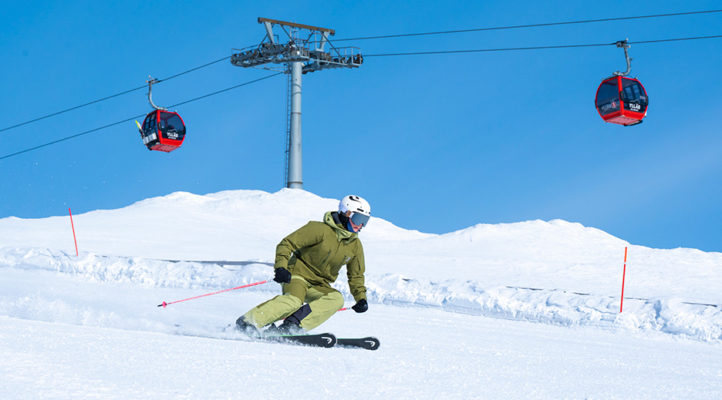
(360, 212)
(355, 204)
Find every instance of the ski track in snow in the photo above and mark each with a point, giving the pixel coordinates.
(673, 316)
(478, 358)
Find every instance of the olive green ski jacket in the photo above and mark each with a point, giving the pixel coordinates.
(317, 251)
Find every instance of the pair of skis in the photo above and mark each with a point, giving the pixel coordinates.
(326, 340)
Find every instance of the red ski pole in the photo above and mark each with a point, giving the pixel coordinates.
(164, 304)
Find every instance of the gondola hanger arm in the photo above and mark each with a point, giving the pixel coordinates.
(625, 45)
(151, 81)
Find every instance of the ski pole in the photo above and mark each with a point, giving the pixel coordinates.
(164, 304)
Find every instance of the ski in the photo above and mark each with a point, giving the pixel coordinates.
(326, 340)
(368, 343)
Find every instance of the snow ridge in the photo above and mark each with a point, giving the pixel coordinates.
(672, 316)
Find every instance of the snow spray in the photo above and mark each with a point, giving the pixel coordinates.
(624, 273)
(73, 226)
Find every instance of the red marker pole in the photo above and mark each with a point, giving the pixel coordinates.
(624, 273)
(73, 226)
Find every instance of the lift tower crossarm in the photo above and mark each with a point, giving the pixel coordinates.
(295, 25)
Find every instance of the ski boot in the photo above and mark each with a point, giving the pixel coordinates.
(291, 326)
(247, 328)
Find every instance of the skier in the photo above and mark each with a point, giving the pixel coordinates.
(307, 262)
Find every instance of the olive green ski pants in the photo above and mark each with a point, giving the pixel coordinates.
(323, 300)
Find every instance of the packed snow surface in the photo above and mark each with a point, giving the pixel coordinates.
(521, 310)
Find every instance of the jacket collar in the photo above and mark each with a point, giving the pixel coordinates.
(331, 219)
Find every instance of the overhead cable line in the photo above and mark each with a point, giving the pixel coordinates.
(368, 55)
(547, 24)
(416, 53)
(540, 25)
(225, 90)
(111, 96)
(134, 117)
(676, 39)
(565, 46)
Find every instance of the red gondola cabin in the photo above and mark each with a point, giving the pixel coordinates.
(622, 100)
(163, 130)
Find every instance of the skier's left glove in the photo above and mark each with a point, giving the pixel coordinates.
(361, 306)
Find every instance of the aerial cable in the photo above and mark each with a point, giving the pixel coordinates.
(387, 37)
(134, 117)
(416, 53)
(71, 137)
(366, 55)
(226, 89)
(565, 46)
(111, 96)
(676, 39)
(540, 25)
(71, 109)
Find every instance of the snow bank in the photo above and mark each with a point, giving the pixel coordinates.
(551, 306)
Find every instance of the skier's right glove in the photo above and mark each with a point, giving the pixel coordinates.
(282, 275)
(361, 306)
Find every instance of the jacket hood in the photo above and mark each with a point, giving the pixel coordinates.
(331, 219)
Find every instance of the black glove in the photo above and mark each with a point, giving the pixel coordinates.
(361, 306)
(282, 275)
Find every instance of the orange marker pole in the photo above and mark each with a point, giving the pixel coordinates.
(624, 273)
(73, 226)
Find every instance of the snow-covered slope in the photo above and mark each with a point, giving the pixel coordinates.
(556, 272)
(183, 245)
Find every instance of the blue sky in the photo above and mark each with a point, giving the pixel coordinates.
(435, 143)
